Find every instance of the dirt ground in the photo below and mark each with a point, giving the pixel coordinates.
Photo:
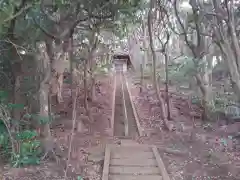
(200, 150)
(86, 157)
(196, 150)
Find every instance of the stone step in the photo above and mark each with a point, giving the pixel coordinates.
(134, 162)
(133, 170)
(132, 177)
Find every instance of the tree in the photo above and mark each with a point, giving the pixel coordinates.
(198, 49)
(224, 21)
(52, 28)
(154, 59)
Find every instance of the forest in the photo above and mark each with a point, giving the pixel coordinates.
(63, 101)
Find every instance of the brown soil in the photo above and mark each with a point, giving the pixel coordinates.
(199, 151)
(202, 154)
(85, 144)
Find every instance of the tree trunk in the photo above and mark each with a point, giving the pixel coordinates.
(16, 95)
(91, 65)
(155, 83)
(85, 86)
(145, 46)
(17, 100)
(92, 78)
(228, 42)
(228, 55)
(44, 108)
(44, 89)
(17, 112)
(57, 68)
(93, 92)
(141, 82)
(154, 58)
(166, 86)
(206, 96)
(70, 51)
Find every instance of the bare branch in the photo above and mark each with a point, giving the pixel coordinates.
(79, 18)
(190, 45)
(28, 6)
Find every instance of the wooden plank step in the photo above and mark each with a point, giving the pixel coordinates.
(106, 163)
(129, 142)
(132, 177)
(131, 149)
(161, 164)
(133, 170)
(125, 154)
(134, 162)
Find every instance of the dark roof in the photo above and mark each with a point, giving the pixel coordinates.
(122, 57)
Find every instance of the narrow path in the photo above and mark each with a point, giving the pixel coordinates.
(132, 126)
(129, 160)
(132, 161)
(119, 111)
(124, 120)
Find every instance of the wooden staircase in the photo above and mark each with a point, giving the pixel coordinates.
(132, 161)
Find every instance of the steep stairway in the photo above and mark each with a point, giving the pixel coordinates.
(132, 161)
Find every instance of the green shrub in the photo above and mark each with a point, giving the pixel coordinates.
(28, 148)
(4, 144)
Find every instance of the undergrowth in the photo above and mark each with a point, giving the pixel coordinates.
(18, 146)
